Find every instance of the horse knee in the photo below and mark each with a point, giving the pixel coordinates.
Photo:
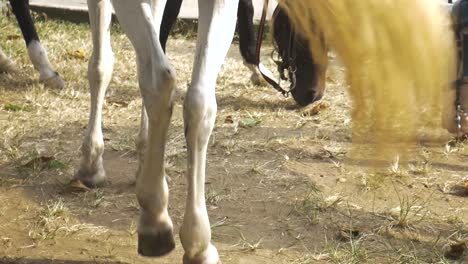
(100, 67)
(199, 113)
(157, 86)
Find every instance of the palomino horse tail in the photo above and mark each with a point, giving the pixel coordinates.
(400, 61)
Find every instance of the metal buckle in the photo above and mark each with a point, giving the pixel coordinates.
(459, 115)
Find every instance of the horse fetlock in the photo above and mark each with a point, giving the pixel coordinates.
(91, 174)
(152, 200)
(91, 171)
(257, 79)
(195, 232)
(92, 160)
(208, 256)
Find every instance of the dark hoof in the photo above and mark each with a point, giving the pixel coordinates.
(92, 179)
(156, 245)
(100, 184)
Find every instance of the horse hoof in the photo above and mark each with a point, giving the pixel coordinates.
(156, 245)
(209, 256)
(54, 82)
(258, 80)
(92, 179)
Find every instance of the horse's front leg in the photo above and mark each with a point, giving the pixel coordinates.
(215, 31)
(91, 171)
(156, 79)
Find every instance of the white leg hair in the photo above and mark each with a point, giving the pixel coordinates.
(38, 56)
(156, 81)
(91, 171)
(215, 31)
(6, 64)
(256, 78)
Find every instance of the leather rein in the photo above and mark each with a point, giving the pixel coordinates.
(291, 65)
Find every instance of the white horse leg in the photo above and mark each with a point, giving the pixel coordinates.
(156, 80)
(215, 32)
(157, 7)
(38, 56)
(6, 64)
(91, 171)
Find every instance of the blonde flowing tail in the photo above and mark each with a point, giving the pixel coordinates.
(400, 60)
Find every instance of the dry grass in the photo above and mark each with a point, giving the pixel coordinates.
(264, 156)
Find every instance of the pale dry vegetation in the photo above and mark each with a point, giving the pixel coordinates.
(282, 185)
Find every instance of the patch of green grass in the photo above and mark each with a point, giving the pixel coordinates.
(16, 108)
(34, 163)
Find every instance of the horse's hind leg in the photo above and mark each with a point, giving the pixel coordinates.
(171, 11)
(36, 51)
(215, 31)
(91, 171)
(157, 81)
(247, 41)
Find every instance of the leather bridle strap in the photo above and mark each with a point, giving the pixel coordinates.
(260, 67)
